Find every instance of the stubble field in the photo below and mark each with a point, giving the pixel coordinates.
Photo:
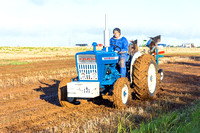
(29, 79)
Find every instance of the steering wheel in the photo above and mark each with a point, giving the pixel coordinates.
(117, 47)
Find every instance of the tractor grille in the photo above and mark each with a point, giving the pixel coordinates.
(87, 67)
(87, 71)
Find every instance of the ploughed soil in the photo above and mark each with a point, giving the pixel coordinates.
(35, 107)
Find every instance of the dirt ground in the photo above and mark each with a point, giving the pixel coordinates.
(32, 107)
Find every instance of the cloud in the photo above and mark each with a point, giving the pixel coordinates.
(39, 2)
(68, 22)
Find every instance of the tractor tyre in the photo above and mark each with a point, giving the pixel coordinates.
(62, 94)
(145, 77)
(121, 93)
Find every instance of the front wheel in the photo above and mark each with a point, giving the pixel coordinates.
(62, 94)
(121, 93)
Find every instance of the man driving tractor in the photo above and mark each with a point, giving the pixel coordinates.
(119, 43)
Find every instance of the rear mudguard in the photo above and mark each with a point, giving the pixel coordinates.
(133, 60)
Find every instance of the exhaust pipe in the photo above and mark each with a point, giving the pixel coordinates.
(106, 35)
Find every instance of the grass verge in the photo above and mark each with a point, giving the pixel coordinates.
(182, 121)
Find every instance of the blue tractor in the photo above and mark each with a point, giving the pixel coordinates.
(98, 74)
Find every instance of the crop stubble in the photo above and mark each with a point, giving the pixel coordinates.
(35, 107)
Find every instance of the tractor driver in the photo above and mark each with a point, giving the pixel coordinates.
(120, 44)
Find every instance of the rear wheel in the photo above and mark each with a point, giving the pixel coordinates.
(121, 93)
(145, 77)
(62, 94)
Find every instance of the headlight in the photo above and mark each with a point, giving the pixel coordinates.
(82, 75)
(93, 75)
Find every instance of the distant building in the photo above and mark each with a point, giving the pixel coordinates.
(188, 45)
(81, 44)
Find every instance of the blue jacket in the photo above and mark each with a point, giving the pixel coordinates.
(149, 42)
(122, 43)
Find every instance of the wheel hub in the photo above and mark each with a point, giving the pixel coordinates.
(152, 78)
(125, 94)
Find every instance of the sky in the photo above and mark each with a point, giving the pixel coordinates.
(68, 22)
